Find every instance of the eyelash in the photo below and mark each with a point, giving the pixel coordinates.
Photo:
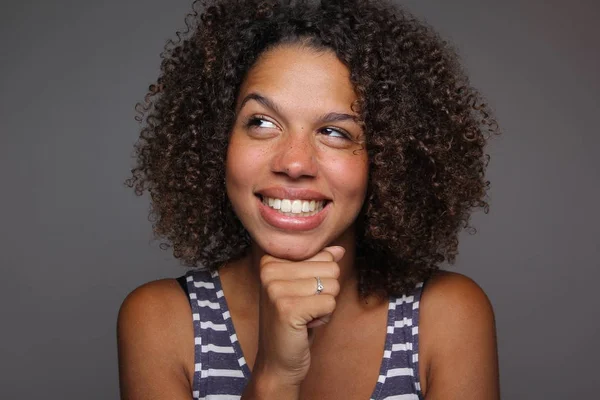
(254, 120)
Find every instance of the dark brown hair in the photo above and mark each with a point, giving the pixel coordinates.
(426, 129)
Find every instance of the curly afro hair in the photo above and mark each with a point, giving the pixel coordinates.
(426, 129)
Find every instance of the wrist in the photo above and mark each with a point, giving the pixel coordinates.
(264, 385)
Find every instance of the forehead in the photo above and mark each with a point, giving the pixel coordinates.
(302, 77)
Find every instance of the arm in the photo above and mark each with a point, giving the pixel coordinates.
(269, 388)
(155, 341)
(458, 341)
(288, 309)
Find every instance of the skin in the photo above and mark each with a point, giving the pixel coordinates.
(294, 147)
(298, 345)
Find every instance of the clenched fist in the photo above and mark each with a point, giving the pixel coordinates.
(289, 307)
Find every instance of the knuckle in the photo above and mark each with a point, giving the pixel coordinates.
(266, 272)
(335, 270)
(273, 289)
(329, 303)
(284, 306)
(266, 259)
(335, 287)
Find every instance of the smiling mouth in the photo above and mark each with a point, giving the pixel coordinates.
(294, 207)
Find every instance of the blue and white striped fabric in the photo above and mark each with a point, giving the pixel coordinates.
(221, 372)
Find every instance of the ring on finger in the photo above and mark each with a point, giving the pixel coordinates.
(320, 286)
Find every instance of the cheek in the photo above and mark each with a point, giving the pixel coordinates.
(243, 163)
(350, 176)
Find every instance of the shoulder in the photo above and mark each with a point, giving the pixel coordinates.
(453, 304)
(449, 295)
(156, 301)
(154, 334)
(456, 332)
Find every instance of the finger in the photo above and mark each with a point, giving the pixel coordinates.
(299, 311)
(301, 270)
(319, 321)
(301, 287)
(331, 253)
(337, 252)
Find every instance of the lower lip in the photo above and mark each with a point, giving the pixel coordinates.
(284, 222)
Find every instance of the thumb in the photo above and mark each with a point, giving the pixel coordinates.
(336, 251)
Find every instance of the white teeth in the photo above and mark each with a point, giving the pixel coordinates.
(286, 205)
(276, 204)
(305, 206)
(296, 207)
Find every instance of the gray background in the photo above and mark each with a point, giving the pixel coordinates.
(74, 240)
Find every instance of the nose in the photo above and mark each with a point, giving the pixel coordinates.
(295, 157)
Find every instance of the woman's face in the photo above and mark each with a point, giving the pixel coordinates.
(296, 168)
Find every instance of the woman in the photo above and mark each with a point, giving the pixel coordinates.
(318, 160)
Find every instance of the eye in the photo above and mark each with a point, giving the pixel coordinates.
(335, 133)
(259, 121)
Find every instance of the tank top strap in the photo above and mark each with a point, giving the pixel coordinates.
(402, 375)
(218, 371)
(200, 288)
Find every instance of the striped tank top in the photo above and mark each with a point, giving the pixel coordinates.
(221, 372)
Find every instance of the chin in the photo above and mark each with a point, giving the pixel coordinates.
(294, 250)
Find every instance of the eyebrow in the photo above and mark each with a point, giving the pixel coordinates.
(325, 118)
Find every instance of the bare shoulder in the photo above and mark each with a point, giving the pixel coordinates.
(163, 290)
(457, 334)
(156, 305)
(449, 295)
(155, 341)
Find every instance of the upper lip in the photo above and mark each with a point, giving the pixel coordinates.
(279, 192)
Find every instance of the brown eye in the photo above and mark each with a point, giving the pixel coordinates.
(335, 133)
(260, 122)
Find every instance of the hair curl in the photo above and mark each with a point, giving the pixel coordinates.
(426, 129)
